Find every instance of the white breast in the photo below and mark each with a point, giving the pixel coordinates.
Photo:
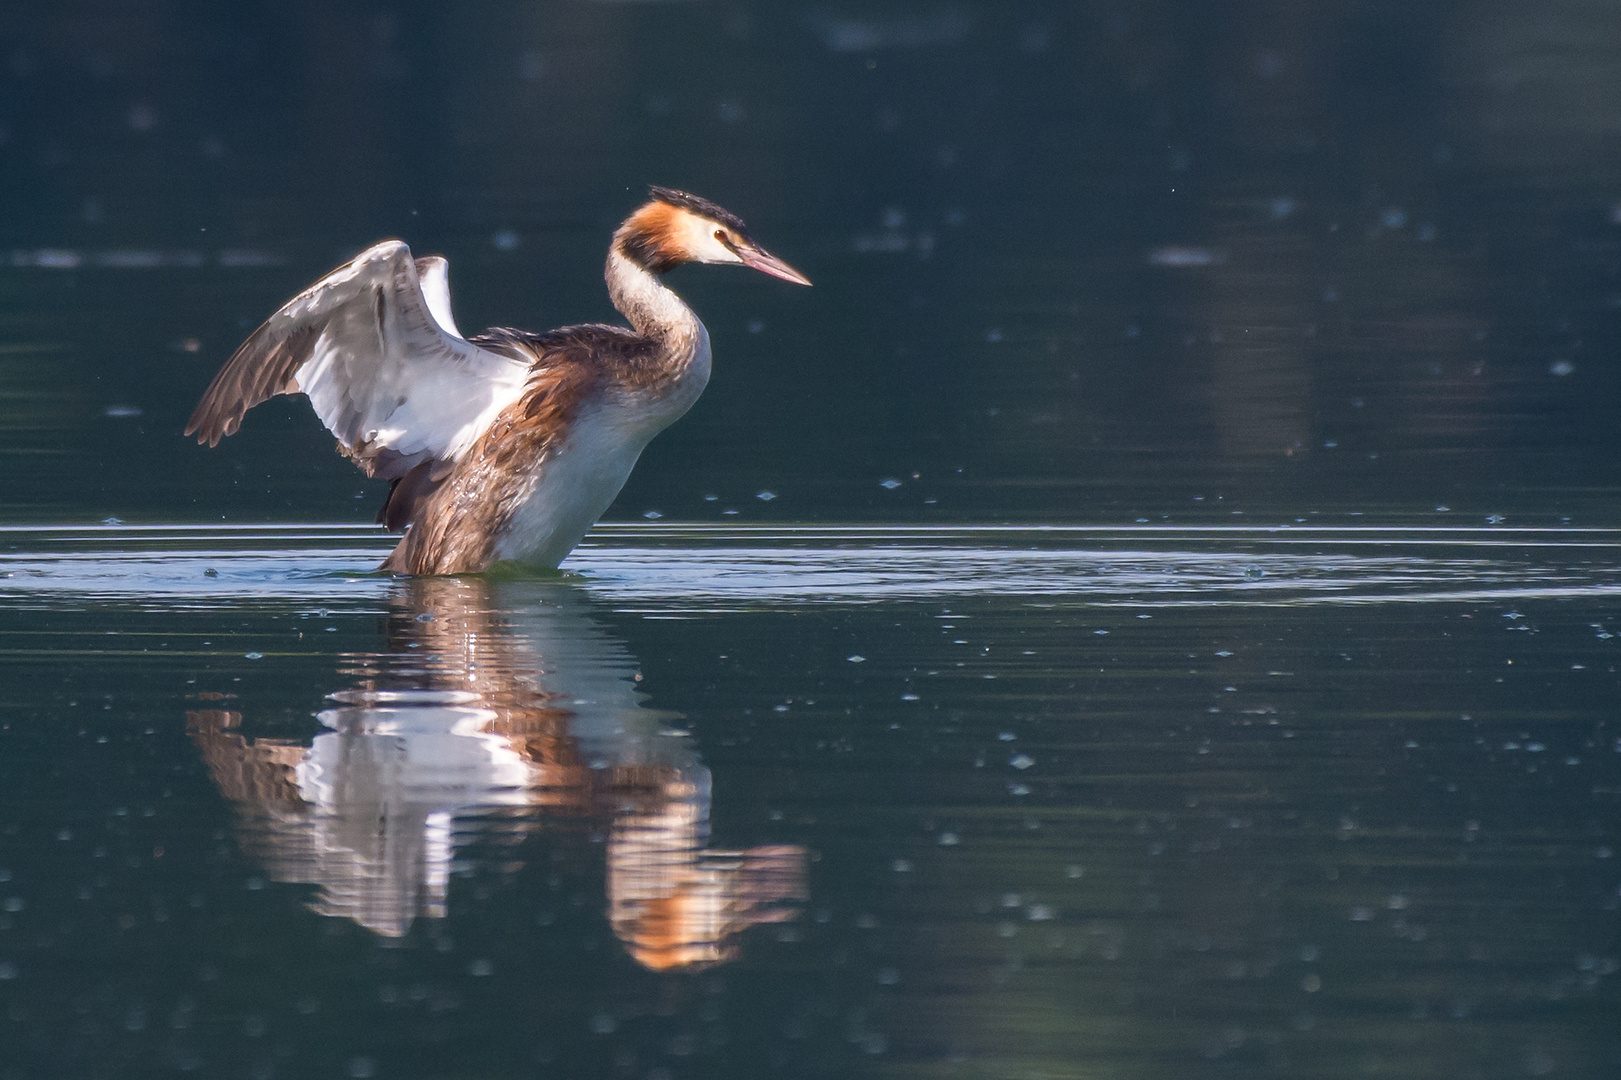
(578, 480)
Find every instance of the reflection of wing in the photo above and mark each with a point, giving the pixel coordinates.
(514, 698)
(374, 347)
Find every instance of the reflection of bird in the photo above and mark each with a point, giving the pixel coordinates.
(508, 718)
(508, 445)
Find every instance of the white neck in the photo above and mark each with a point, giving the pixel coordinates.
(652, 309)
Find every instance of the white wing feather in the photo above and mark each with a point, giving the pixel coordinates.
(375, 348)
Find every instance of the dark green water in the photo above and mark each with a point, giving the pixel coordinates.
(1151, 610)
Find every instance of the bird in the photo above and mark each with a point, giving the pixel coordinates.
(507, 446)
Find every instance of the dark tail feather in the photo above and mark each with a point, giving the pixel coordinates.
(406, 492)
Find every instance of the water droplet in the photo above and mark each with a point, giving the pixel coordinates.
(856, 658)
(254, 655)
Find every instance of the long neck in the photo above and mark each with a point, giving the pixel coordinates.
(653, 310)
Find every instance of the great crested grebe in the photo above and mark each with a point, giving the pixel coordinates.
(506, 446)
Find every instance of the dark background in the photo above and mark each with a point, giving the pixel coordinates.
(1081, 262)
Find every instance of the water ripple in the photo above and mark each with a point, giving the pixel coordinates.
(708, 569)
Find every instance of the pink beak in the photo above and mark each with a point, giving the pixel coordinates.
(766, 263)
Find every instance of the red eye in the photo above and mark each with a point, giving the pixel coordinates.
(720, 234)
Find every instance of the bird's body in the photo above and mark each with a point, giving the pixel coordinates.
(506, 446)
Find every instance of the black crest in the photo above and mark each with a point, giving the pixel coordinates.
(699, 205)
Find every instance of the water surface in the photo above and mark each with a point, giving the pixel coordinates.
(813, 802)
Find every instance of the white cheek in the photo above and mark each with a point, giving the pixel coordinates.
(701, 242)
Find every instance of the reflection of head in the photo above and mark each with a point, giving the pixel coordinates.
(675, 903)
(532, 708)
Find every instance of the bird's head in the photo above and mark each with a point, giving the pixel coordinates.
(674, 228)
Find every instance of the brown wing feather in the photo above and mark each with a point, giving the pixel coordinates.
(261, 368)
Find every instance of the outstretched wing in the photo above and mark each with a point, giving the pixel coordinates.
(373, 346)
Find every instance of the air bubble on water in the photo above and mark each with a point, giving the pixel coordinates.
(1561, 367)
(1039, 913)
(949, 839)
(1018, 789)
(1224, 652)
(652, 515)
(1021, 761)
(765, 496)
(1007, 736)
(889, 484)
(856, 658)
(1253, 573)
(909, 697)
